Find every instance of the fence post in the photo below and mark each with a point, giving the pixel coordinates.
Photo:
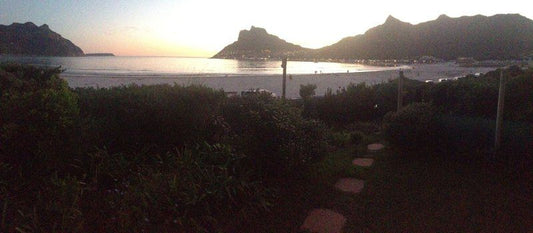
(284, 66)
(499, 114)
(400, 90)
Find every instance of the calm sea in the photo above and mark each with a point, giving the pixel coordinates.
(153, 66)
(230, 75)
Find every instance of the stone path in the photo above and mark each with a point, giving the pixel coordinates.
(375, 147)
(329, 221)
(324, 221)
(350, 185)
(363, 162)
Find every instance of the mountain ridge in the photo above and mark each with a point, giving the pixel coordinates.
(30, 39)
(257, 43)
(501, 36)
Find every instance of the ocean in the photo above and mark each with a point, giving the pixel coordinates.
(231, 75)
(161, 66)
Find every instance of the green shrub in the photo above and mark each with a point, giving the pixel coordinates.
(307, 91)
(190, 190)
(162, 116)
(339, 139)
(356, 137)
(362, 102)
(273, 134)
(412, 127)
(38, 115)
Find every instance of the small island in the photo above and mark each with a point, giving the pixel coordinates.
(99, 55)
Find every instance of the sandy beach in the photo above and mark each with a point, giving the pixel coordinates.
(238, 83)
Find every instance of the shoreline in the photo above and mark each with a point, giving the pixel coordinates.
(272, 82)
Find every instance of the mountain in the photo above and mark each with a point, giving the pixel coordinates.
(496, 37)
(505, 36)
(257, 43)
(29, 39)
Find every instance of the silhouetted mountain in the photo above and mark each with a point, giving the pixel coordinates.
(496, 37)
(483, 38)
(257, 43)
(28, 39)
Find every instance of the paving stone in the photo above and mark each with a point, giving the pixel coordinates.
(375, 147)
(324, 221)
(350, 185)
(363, 162)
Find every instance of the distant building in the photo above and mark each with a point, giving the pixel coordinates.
(465, 61)
(428, 60)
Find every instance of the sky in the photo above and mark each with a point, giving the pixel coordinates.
(201, 28)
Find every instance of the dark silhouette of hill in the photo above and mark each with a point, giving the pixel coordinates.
(29, 39)
(496, 37)
(257, 43)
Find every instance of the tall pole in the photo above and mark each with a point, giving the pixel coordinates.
(400, 91)
(499, 114)
(284, 66)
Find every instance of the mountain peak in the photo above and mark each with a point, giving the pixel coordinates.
(258, 30)
(392, 20)
(30, 24)
(29, 39)
(44, 27)
(253, 33)
(443, 17)
(257, 43)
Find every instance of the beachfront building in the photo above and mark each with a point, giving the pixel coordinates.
(465, 61)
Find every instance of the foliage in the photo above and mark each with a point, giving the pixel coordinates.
(38, 114)
(143, 158)
(361, 102)
(307, 91)
(468, 96)
(412, 127)
(132, 117)
(273, 133)
(189, 190)
(339, 139)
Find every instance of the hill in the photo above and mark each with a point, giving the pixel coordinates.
(29, 39)
(506, 36)
(256, 43)
(496, 37)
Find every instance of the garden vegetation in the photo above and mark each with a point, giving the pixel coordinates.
(170, 158)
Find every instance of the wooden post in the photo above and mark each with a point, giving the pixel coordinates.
(284, 66)
(400, 91)
(499, 114)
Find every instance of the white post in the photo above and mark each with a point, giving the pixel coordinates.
(284, 66)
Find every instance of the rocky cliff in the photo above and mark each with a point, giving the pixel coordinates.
(29, 39)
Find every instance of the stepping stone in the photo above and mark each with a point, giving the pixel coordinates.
(350, 185)
(323, 221)
(363, 162)
(375, 147)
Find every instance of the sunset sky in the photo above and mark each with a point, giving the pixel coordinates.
(203, 27)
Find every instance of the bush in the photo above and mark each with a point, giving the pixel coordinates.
(361, 102)
(412, 127)
(162, 116)
(307, 91)
(273, 134)
(38, 115)
(339, 139)
(200, 189)
(356, 137)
